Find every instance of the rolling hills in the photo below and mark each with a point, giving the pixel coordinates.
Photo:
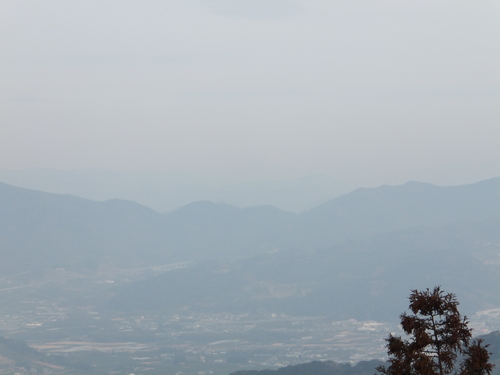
(39, 228)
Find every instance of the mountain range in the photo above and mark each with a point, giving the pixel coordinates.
(66, 228)
(357, 255)
(165, 192)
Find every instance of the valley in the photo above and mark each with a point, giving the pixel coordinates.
(75, 325)
(116, 288)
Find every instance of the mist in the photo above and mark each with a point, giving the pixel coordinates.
(241, 91)
(219, 187)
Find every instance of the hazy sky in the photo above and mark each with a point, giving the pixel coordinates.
(366, 91)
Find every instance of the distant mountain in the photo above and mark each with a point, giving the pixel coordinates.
(356, 215)
(365, 212)
(165, 192)
(42, 229)
(201, 227)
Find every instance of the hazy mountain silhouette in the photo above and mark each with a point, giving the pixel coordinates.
(202, 226)
(366, 212)
(362, 213)
(60, 230)
(42, 229)
(165, 192)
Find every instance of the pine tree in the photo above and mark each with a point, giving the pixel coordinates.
(439, 340)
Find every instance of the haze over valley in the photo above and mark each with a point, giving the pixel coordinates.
(263, 286)
(246, 187)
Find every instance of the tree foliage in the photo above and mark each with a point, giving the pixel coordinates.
(439, 340)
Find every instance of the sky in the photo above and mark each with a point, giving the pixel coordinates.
(368, 92)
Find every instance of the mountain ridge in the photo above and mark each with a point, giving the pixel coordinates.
(64, 229)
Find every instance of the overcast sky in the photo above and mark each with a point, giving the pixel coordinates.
(366, 91)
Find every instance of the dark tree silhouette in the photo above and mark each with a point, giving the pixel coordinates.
(439, 340)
